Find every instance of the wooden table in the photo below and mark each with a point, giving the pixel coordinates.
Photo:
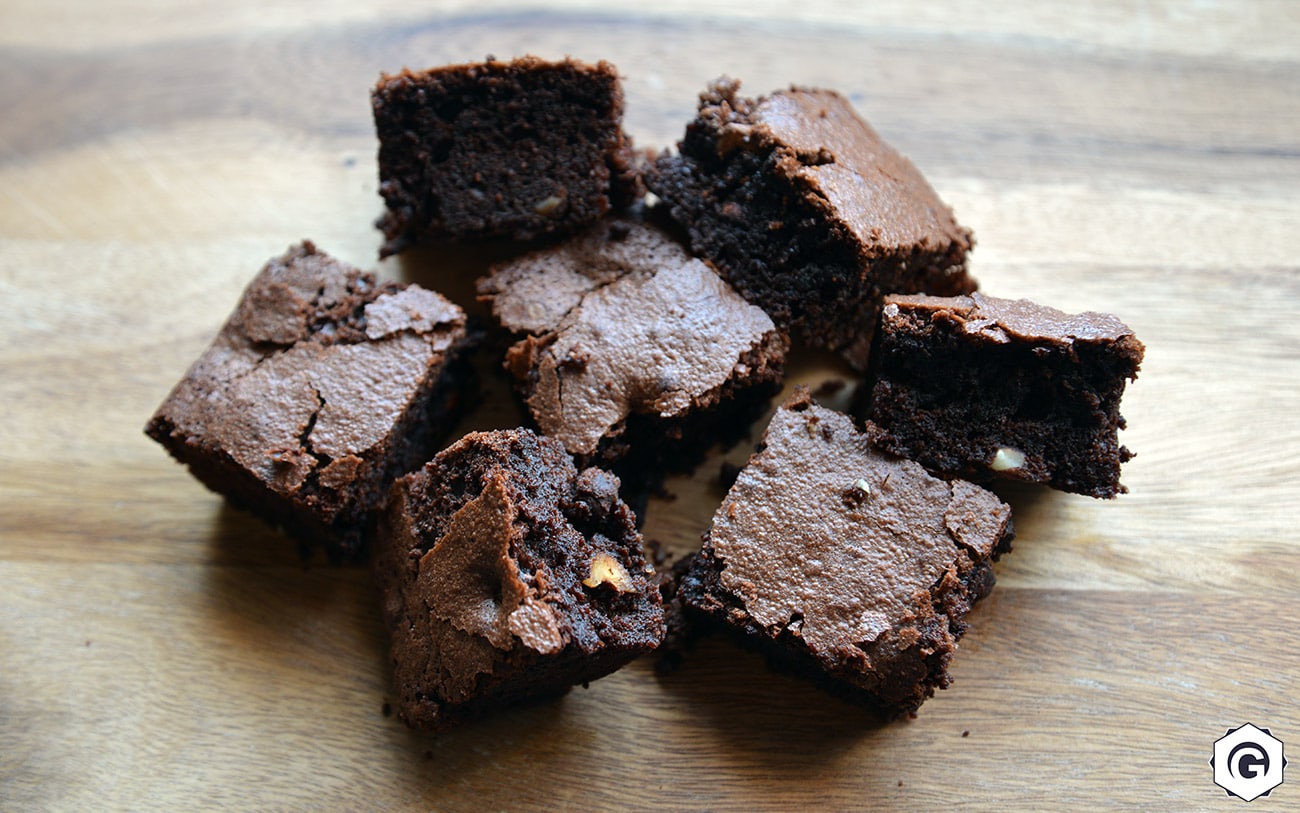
(161, 651)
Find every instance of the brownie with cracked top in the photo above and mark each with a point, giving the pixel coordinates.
(506, 575)
(633, 353)
(980, 387)
(517, 149)
(844, 563)
(809, 213)
(321, 388)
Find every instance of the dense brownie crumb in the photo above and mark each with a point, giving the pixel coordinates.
(979, 387)
(634, 354)
(516, 149)
(808, 213)
(846, 564)
(322, 387)
(681, 631)
(507, 574)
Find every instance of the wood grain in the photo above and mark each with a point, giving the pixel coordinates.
(159, 650)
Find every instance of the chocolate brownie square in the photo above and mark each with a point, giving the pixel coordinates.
(515, 149)
(322, 387)
(844, 563)
(808, 213)
(978, 387)
(633, 353)
(507, 574)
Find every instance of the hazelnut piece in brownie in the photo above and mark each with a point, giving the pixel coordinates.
(978, 387)
(322, 387)
(633, 347)
(808, 213)
(515, 149)
(844, 563)
(507, 574)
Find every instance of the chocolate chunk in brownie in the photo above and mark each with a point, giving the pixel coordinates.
(507, 574)
(634, 354)
(844, 563)
(809, 213)
(514, 149)
(322, 387)
(977, 387)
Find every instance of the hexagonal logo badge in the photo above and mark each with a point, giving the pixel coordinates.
(1248, 762)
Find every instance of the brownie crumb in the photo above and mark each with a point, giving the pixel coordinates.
(658, 553)
(681, 631)
(856, 494)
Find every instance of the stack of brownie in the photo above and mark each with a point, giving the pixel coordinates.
(849, 549)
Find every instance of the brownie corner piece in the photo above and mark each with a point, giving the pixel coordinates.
(516, 149)
(846, 564)
(981, 387)
(507, 575)
(809, 213)
(323, 385)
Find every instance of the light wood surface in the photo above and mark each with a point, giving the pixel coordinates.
(161, 651)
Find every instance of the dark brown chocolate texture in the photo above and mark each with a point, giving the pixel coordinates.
(322, 387)
(506, 575)
(979, 387)
(808, 213)
(844, 563)
(631, 347)
(516, 149)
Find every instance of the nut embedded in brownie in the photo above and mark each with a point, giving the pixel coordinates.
(979, 387)
(516, 149)
(808, 213)
(322, 387)
(507, 575)
(633, 354)
(845, 564)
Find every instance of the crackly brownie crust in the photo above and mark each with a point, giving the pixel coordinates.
(321, 388)
(845, 564)
(507, 574)
(633, 353)
(979, 387)
(808, 213)
(516, 149)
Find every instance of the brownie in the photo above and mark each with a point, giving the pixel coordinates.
(844, 563)
(633, 353)
(515, 149)
(980, 387)
(506, 575)
(809, 213)
(322, 387)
